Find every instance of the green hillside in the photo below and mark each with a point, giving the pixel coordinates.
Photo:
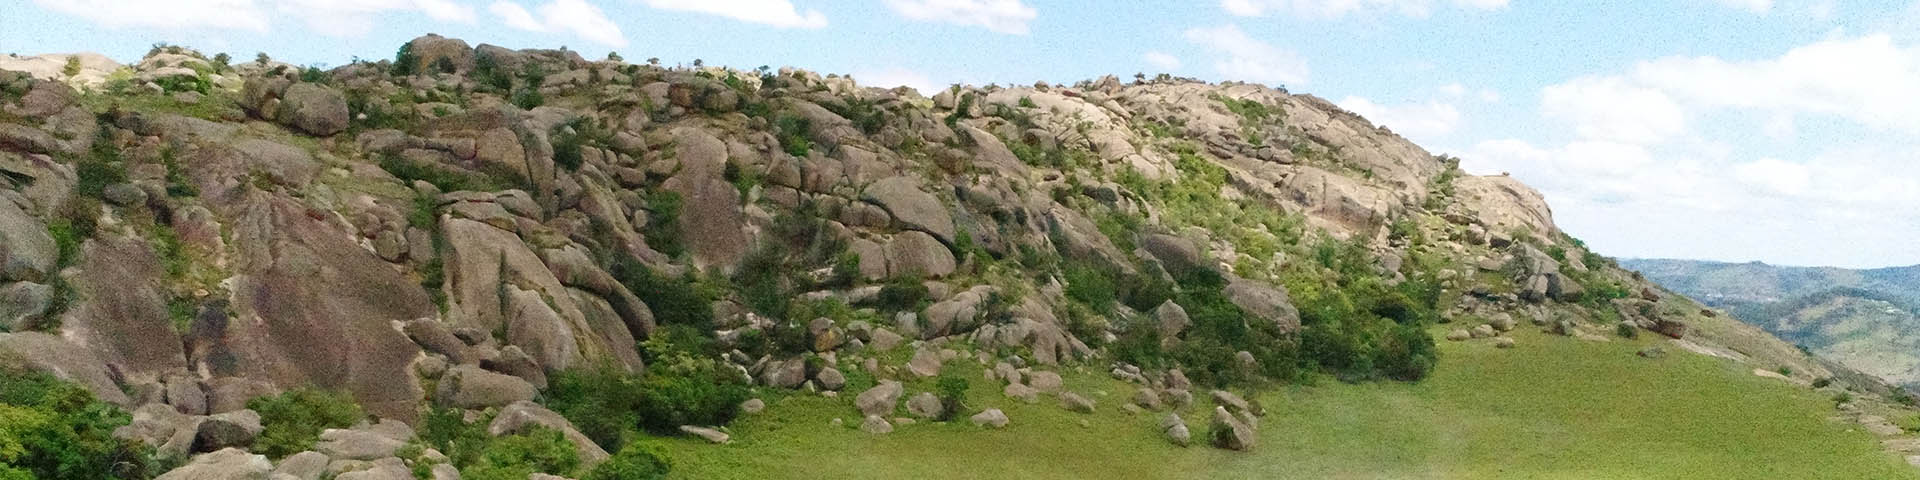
(1552, 407)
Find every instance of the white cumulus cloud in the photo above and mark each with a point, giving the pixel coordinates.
(778, 13)
(1421, 121)
(1241, 57)
(327, 17)
(1162, 60)
(1003, 16)
(576, 17)
(1610, 108)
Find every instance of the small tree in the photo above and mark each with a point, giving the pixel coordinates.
(952, 389)
(73, 66)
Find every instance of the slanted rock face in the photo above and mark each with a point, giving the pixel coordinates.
(27, 252)
(123, 318)
(913, 208)
(311, 307)
(533, 307)
(1502, 204)
(430, 50)
(47, 353)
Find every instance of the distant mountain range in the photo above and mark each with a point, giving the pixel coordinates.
(1866, 319)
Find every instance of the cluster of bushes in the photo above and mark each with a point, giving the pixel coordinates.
(1354, 326)
(54, 429)
(794, 132)
(294, 419)
(613, 407)
(447, 180)
(480, 456)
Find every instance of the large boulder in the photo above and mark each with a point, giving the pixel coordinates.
(226, 464)
(231, 429)
(430, 50)
(467, 386)
(913, 208)
(1502, 204)
(961, 313)
(1176, 255)
(914, 254)
(1267, 302)
(881, 399)
(521, 416)
(1171, 319)
(991, 417)
(1229, 432)
(313, 108)
(924, 405)
(356, 444)
(27, 251)
(123, 317)
(50, 354)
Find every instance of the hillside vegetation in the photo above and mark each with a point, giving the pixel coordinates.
(505, 264)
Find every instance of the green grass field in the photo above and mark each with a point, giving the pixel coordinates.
(1552, 408)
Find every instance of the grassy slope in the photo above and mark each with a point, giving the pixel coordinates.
(1551, 408)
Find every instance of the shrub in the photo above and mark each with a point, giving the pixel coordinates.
(404, 60)
(446, 180)
(528, 98)
(707, 394)
(446, 429)
(515, 457)
(54, 429)
(1822, 383)
(663, 222)
(294, 419)
(902, 294)
(1625, 330)
(1090, 285)
(794, 132)
(637, 461)
(951, 387)
(674, 301)
(603, 403)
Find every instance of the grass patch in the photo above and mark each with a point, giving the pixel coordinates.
(1549, 408)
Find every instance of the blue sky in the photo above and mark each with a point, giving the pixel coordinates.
(1786, 131)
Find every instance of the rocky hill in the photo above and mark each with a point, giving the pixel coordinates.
(530, 241)
(1865, 319)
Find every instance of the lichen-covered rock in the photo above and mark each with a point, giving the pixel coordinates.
(313, 108)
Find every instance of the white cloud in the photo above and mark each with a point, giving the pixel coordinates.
(1421, 121)
(1162, 61)
(891, 77)
(327, 17)
(1340, 8)
(1701, 157)
(1003, 16)
(347, 18)
(1241, 57)
(1774, 175)
(778, 13)
(223, 14)
(1755, 6)
(1457, 91)
(1613, 109)
(569, 16)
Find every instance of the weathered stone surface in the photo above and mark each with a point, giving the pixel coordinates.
(881, 399)
(1073, 402)
(1021, 392)
(313, 108)
(47, 353)
(348, 444)
(231, 429)
(123, 317)
(1268, 302)
(1044, 381)
(311, 307)
(27, 251)
(708, 434)
(925, 363)
(1175, 429)
(468, 386)
(912, 207)
(1229, 432)
(914, 254)
(961, 313)
(875, 425)
(226, 464)
(307, 465)
(924, 405)
(992, 417)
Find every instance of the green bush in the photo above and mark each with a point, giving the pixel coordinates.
(637, 461)
(447, 180)
(662, 230)
(1091, 285)
(902, 294)
(951, 387)
(674, 301)
(794, 132)
(446, 429)
(404, 60)
(294, 419)
(607, 404)
(515, 457)
(52, 429)
(1625, 331)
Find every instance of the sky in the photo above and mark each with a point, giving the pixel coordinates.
(1783, 131)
